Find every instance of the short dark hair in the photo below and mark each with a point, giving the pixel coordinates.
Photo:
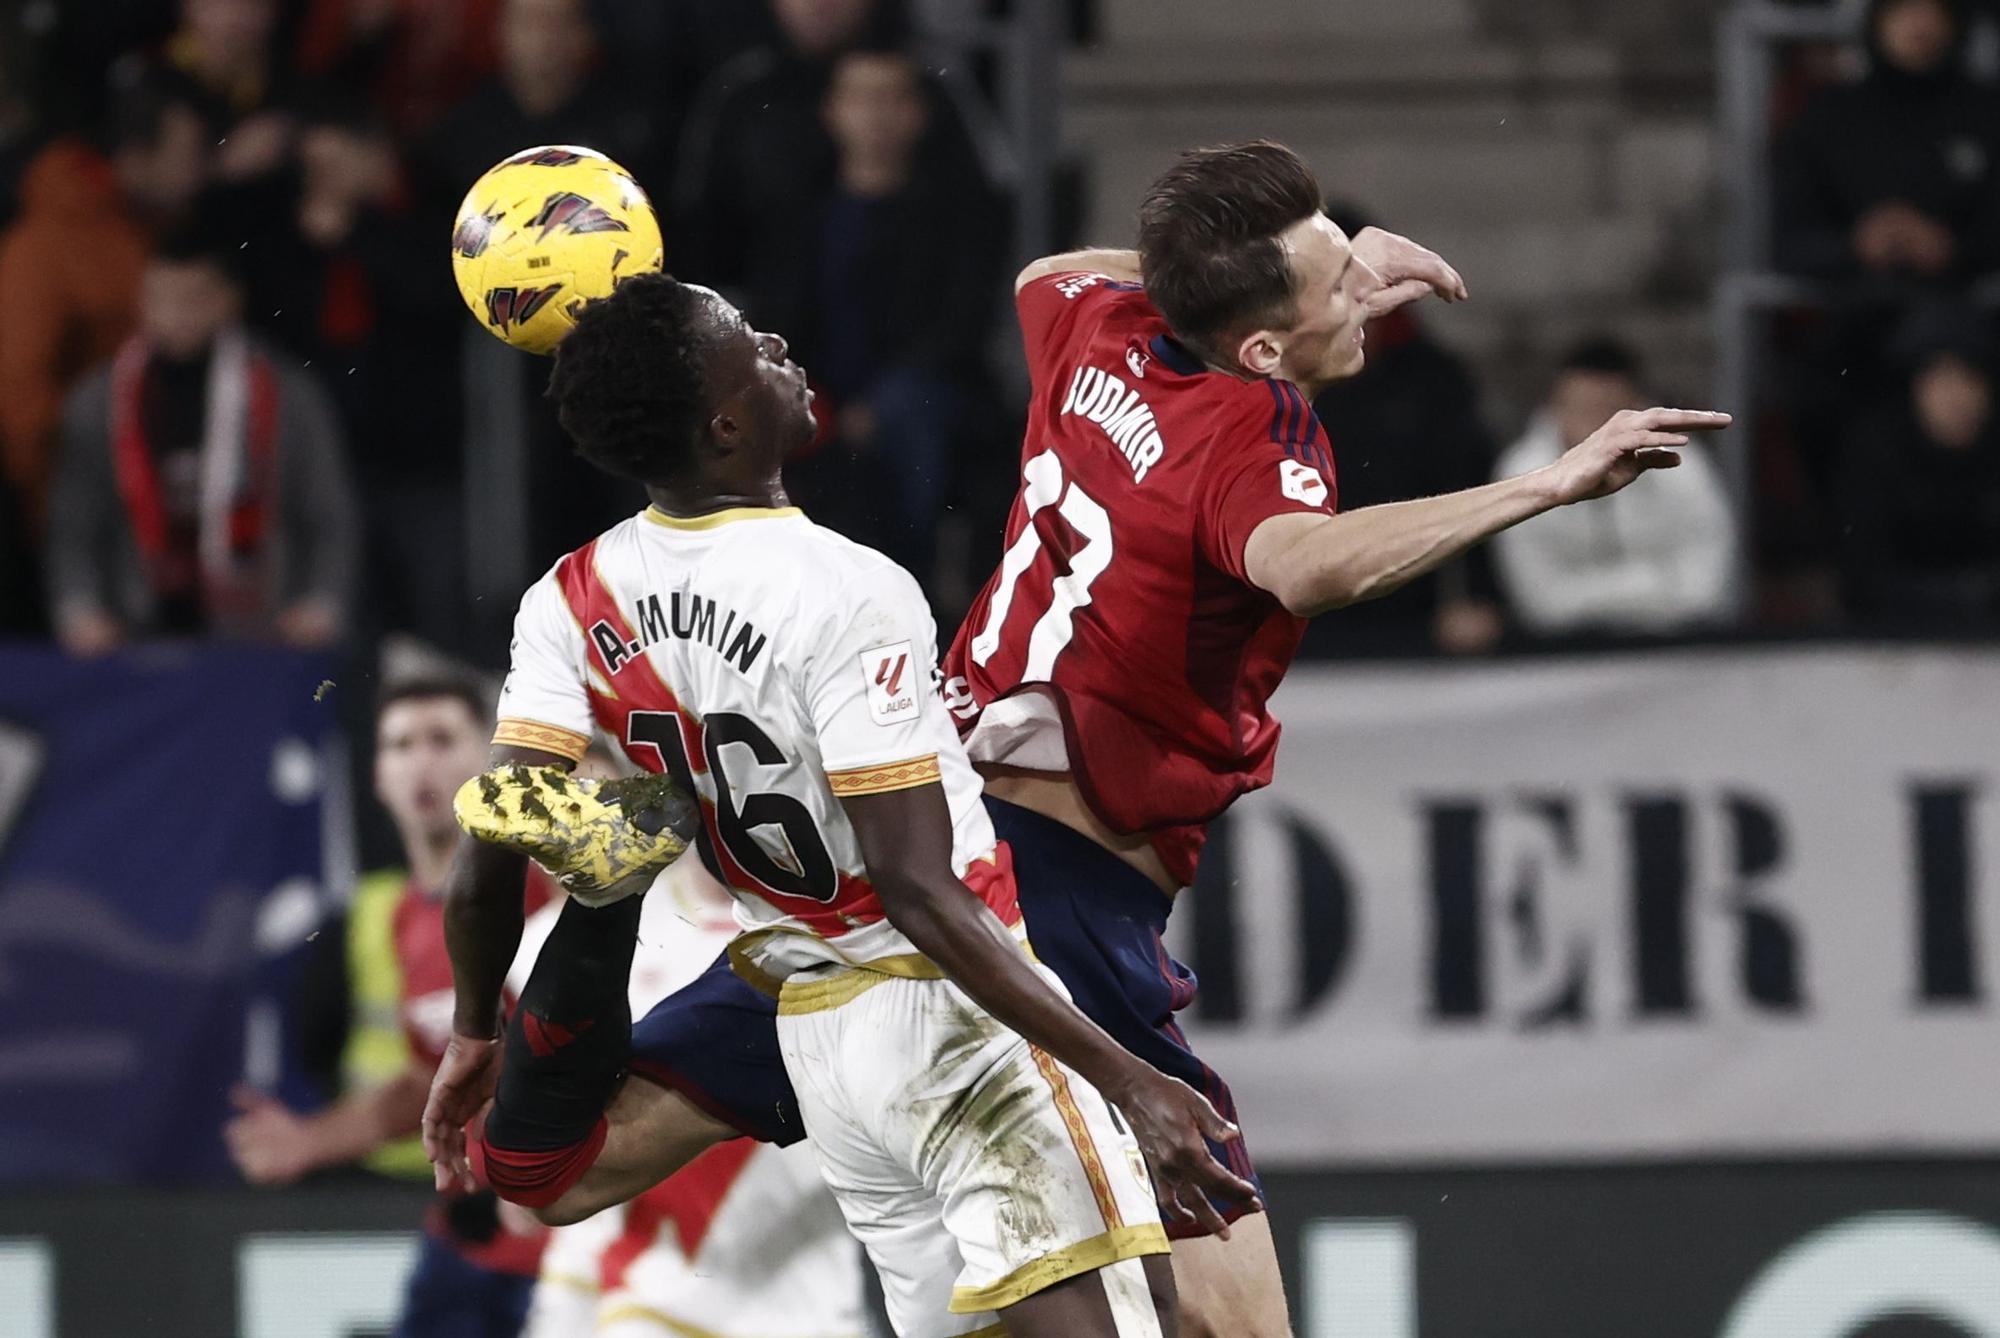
(1606, 355)
(630, 383)
(435, 687)
(1208, 240)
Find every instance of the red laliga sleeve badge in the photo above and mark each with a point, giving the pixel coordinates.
(1301, 483)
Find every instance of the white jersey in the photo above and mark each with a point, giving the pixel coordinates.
(773, 668)
(744, 1242)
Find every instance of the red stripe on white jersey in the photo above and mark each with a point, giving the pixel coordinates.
(639, 687)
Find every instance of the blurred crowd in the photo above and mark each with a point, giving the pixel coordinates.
(235, 376)
(1877, 476)
(239, 395)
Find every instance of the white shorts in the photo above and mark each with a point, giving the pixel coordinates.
(975, 1169)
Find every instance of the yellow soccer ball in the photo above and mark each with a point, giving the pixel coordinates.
(543, 233)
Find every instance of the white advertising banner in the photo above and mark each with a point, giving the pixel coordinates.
(1691, 903)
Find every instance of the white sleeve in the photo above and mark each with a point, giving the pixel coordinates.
(544, 703)
(871, 690)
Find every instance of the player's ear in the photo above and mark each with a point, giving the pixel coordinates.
(724, 432)
(1260, 353)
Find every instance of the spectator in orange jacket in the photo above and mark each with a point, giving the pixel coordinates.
(71, 265)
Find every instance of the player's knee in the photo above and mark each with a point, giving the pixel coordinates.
(573, 1207)
(1232, 1289)
(544, 1180)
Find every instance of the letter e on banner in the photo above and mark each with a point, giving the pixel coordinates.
(892, 683)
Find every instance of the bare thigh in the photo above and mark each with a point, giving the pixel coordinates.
(1232, 1288)
(1081, 1307)
(652, 1133)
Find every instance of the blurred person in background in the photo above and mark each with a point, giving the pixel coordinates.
(227, 51)
(1657, 559)
(1919, 485)
(757, 152)
(549, 89)
(476, 1271)
(355, 289)
(1409, 426)
(71, 265)
(1896, 174)
(202, 486)
(413, 59)
(544, 92)
(891, 280)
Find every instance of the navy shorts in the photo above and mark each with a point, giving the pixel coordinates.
(1093, 919)
(715, 1041)
(1096, 922)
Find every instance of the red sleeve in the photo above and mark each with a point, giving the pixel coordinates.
(1048, 307)
(1271, 460)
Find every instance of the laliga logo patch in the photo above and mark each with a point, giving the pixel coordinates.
(1301, 483)
(573, 213)
(892, 685)
(517, 306)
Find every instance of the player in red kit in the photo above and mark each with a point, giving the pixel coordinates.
(1176, 526)
(476, 1270)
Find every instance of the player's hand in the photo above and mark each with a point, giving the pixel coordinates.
(1408, 271)
(268, 1142)
(89, 633)
(309, 624)
(1172, 1122)
(462, 1088)
(1631, 442)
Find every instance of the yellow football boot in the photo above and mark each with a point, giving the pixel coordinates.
(601, 839)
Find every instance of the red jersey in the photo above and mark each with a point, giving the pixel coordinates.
(1121, 640)
(424, 965)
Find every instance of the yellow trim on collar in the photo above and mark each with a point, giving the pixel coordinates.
(1127, 1242)
(715, 519)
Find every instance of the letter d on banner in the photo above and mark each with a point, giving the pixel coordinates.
(1359, 1277)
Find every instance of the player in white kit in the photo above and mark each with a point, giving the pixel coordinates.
(786, 676)
(743, 1242)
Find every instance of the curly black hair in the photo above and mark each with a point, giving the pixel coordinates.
(630, 384)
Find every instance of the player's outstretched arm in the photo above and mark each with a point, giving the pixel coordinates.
(1314, 563)
(1120, 265)
(273, 1145)
(905, 840)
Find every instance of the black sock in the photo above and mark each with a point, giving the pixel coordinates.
(571, 1033)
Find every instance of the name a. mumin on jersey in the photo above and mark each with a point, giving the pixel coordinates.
(1101, 398)
(689, 617)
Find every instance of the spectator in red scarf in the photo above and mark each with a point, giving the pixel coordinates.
(200, 488)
